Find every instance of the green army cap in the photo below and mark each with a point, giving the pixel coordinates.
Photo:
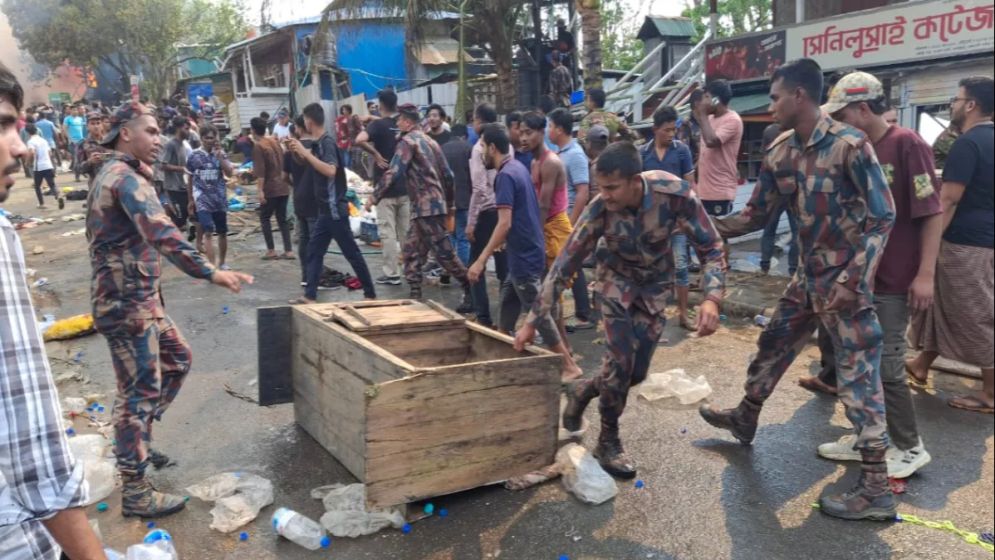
(121, 116)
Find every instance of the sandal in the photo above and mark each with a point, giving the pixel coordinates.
(286, 257)
(816, 385)
(971, 404)
(269, 257)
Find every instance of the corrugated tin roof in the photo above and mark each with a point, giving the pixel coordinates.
(654, 26)
(753, 104)
(441, 51)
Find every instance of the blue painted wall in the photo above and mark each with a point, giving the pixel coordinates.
(375, 48)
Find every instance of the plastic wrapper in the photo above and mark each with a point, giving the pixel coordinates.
(675, 383)
(238, 497)
(583, 476)
(346, 514)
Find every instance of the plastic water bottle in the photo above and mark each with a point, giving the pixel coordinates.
(157, 545)
(299, 529)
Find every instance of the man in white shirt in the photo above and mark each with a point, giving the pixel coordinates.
(282, 127)
(42, 167)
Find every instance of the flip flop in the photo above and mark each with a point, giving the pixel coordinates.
(971, 404)
(816, 385)
(287, 257)
(269, 257)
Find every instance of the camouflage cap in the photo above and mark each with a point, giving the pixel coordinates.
(854, 87)
(121, 116)
(94, 115)
(410, 110)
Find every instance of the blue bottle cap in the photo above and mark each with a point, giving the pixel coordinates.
(100, 409)
(243, 536)
(406, 529)
(443, 512)
(150, 524)
(640, 484)
(325, 541)
(102, 507)
(564, 557)
(70, 432)
(429, 508)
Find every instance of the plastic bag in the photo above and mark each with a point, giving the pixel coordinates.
(675, 383)
(73, 405)
(238, 498)
(346, 514)
(99, 470)
(583, 476)
(70, 327)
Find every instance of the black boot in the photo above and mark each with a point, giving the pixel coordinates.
(870, 499)
(466, 304)
(159, 459)
(610, 454)
(415, 292)
(741, 421)
(579, 393)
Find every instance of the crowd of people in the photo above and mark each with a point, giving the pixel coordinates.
(881, 241)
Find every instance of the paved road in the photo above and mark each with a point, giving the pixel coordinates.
(705, 497)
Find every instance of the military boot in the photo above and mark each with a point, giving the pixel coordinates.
(610, 454)
(870, 499)
(159, 459)
(140, 499)
(415, 293)
(466, 304)
(579, 393)
(741, 421)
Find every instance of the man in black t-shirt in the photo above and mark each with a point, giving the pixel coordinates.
(394, 209)
(329, 189)
(298, 174)
(961, 323)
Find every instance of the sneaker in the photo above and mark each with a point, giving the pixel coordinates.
(391, 280)
(841, 449)
(304, 283)
(858, 504)
(904, 463)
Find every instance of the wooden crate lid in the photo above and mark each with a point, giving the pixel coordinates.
(379, 316)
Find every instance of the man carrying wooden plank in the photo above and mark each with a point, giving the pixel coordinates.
(628, 227)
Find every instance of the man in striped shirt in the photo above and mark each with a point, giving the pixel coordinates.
(41, 485)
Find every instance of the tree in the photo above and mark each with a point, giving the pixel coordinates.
(134, 37)
(735, 16)
(619, 26)
(590, 29)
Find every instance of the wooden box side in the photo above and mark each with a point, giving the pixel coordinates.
(455, 428)
(332, 370)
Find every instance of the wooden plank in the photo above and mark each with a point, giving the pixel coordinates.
(393, 316)
(359, 355)
(273, 340)
(497, 335)
(441, 346)
(445, 311)
(459, 427)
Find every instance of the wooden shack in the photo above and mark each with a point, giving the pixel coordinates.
(415, 401)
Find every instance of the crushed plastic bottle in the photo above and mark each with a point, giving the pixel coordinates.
(157, 545)
(299, 529)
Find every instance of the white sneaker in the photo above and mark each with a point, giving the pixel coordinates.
(841, 449)
(903, 464)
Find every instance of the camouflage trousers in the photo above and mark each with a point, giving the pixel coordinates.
(425, 235)
(857, 339)
(631, 337)
(150, 365)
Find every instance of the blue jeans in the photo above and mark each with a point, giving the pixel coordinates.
(458, 237)
(325, 230)
(770, 237)
(679, 246)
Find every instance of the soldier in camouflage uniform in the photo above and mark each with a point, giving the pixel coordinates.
(597, 116)
(127, 230)
(942, 145)
(827, 174)
(429, 181)
(628, 227)
(92, 154)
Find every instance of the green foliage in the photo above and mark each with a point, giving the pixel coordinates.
(135, 37)
(619, 25)
(735, 16)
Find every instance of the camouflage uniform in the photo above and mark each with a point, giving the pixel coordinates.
(429, 181)
(844, 210)
(89, 147)
(127, 230)
(617, 128)
(634, 275)
(942, 145)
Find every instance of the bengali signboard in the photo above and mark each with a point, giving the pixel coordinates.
(899, 33)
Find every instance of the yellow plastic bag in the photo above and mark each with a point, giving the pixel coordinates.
(71, 327)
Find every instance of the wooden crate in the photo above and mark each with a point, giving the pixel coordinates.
(416, 402)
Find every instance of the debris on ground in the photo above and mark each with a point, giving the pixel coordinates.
(300, 529)
(70, 327)
(99, 469)
(533, 478)
(346, 514)
(238, 497)
(583, 476)
(38, 249)
(73, 217)
(675, 383)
